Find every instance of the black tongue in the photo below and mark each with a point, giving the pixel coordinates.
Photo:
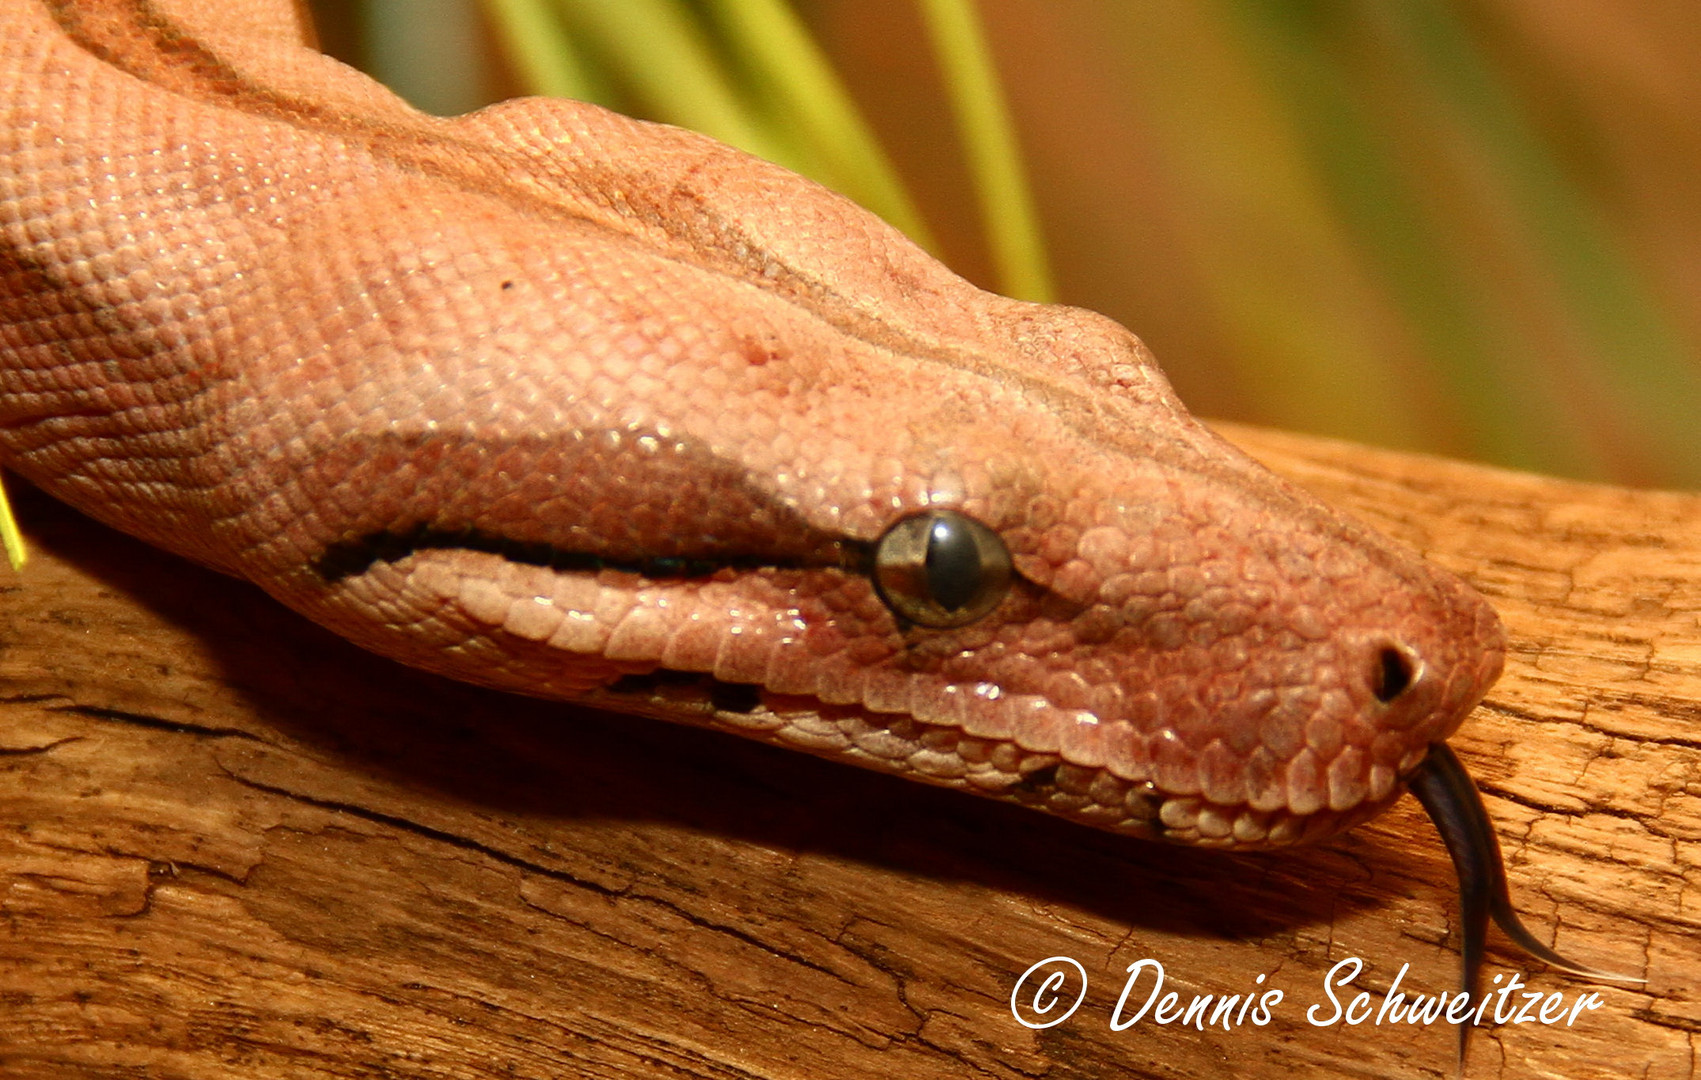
(1453, 803)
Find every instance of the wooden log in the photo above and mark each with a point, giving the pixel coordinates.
(231, 844)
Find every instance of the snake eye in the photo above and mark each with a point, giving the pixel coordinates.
(941, 569)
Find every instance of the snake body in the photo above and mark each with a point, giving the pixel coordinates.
(551, 400)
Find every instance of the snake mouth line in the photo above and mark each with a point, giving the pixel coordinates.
(945, 755)
(992, 759)
(934, 753)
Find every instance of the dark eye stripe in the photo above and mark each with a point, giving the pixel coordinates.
(349, 558)
(938, 569)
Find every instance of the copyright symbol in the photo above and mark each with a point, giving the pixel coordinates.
(1041, 991)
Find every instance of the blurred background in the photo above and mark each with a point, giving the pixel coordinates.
(1469, 227)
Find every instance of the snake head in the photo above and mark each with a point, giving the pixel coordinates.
(608, 411)
(730, 452)
(554, 401)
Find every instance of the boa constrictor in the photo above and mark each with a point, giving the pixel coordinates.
(555, 401)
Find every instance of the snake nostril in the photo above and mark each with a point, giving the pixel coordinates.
(1392, 674)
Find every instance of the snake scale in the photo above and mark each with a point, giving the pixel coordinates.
(555, 401)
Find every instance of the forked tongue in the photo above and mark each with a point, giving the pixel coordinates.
(1445, 789)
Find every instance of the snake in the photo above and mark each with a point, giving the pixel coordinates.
(554, 401)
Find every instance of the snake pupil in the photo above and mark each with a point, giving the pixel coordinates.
(953, 565)
(941, 569)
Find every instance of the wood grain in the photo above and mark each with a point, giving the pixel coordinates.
(232, 845)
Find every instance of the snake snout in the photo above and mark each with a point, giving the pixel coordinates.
(1428, 649)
